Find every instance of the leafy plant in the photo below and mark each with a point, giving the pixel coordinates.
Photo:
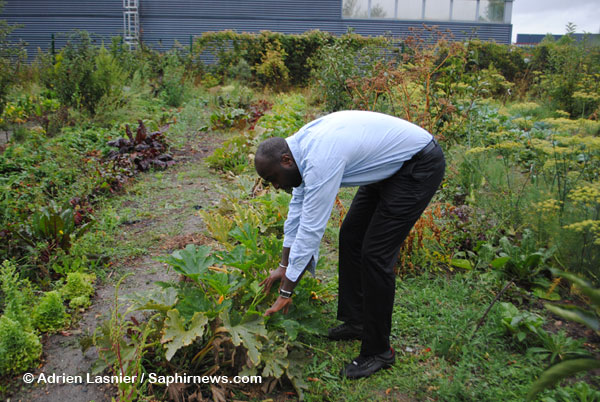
(20, 349)
(142, 151)
(122, 346)
(49, 314)
(82, 74)
(520, 324)
(589, 317)
(558, 347)
(524, 262)
(78, 289)
(272, 70)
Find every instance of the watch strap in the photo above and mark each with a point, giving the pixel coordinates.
(286, 294)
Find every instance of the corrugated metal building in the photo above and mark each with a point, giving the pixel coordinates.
(158, 22)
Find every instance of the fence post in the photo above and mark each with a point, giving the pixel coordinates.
(52, 48)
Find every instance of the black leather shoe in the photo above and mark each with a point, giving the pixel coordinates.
(364, 366)
(345, 332)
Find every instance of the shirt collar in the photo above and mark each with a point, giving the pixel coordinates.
(296, 152)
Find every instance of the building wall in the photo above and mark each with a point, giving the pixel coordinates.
(163, 21)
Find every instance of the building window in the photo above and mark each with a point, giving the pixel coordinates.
(437, 10)
(492, 11)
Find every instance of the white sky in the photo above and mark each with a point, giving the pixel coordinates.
(551, 16)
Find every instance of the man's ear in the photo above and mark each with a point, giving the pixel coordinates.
(287, 160)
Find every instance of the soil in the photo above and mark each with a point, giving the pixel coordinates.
(62, 352)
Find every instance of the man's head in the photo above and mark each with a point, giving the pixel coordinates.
(274, 163)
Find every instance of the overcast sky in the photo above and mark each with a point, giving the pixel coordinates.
(544, 16)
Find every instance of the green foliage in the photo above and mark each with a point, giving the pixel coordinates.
(520, 324)
(272, 70)
(173, 84)
(122, 346)
(509, 60)
(49, 314)
(567, 75)
(232, 156)
(20, 349)
(17, 295)
(285, 118)
(11, 55)
(589, 317)
(215, 311)
(521, 263)
(580, 391)
(334, 65)
(176, 335)
(272, 54)
(54, 225)
(559, 346)
(78, 289)
(83, 74)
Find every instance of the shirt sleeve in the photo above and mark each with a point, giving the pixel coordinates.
(321, 184)
(290, 227)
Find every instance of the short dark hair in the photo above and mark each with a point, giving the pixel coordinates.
(272, 149)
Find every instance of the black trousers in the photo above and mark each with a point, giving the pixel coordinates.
(378, 221)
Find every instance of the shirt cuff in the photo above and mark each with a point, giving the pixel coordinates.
(293, 273)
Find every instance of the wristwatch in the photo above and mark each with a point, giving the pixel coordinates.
(286, 294)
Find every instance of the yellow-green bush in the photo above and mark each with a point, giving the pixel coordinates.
(78, 289)
(50, 315)
(20, 349)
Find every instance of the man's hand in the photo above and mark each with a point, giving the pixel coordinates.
(281, 303)
(273, 277)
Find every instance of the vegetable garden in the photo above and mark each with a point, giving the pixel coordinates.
(497, 285)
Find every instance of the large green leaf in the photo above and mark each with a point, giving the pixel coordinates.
(461, 263)
(248, 333)
(562, 370)
(500, 262)
(533, 260)
(176, 336)
(574, 313)
(191, 261)
(156, 299)
(276, 361)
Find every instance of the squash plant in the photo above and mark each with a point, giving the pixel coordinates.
(213, 318)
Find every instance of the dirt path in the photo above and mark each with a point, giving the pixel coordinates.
(174, 222)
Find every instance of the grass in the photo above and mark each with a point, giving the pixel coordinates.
(433, 319)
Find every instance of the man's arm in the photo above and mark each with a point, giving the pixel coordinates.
(278, 273)
(319, 196)
(284, 303)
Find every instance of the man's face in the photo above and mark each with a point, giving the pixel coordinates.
(283, 175)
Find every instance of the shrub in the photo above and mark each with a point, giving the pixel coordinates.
(272, 70)
(82, 74)
(229, 48)
(20, 350)
(173, 85)
(566, 75)
(509, 60)
(78, 289)
(17, 295)
(50, 315)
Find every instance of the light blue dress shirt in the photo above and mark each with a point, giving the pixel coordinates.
(348, 148)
